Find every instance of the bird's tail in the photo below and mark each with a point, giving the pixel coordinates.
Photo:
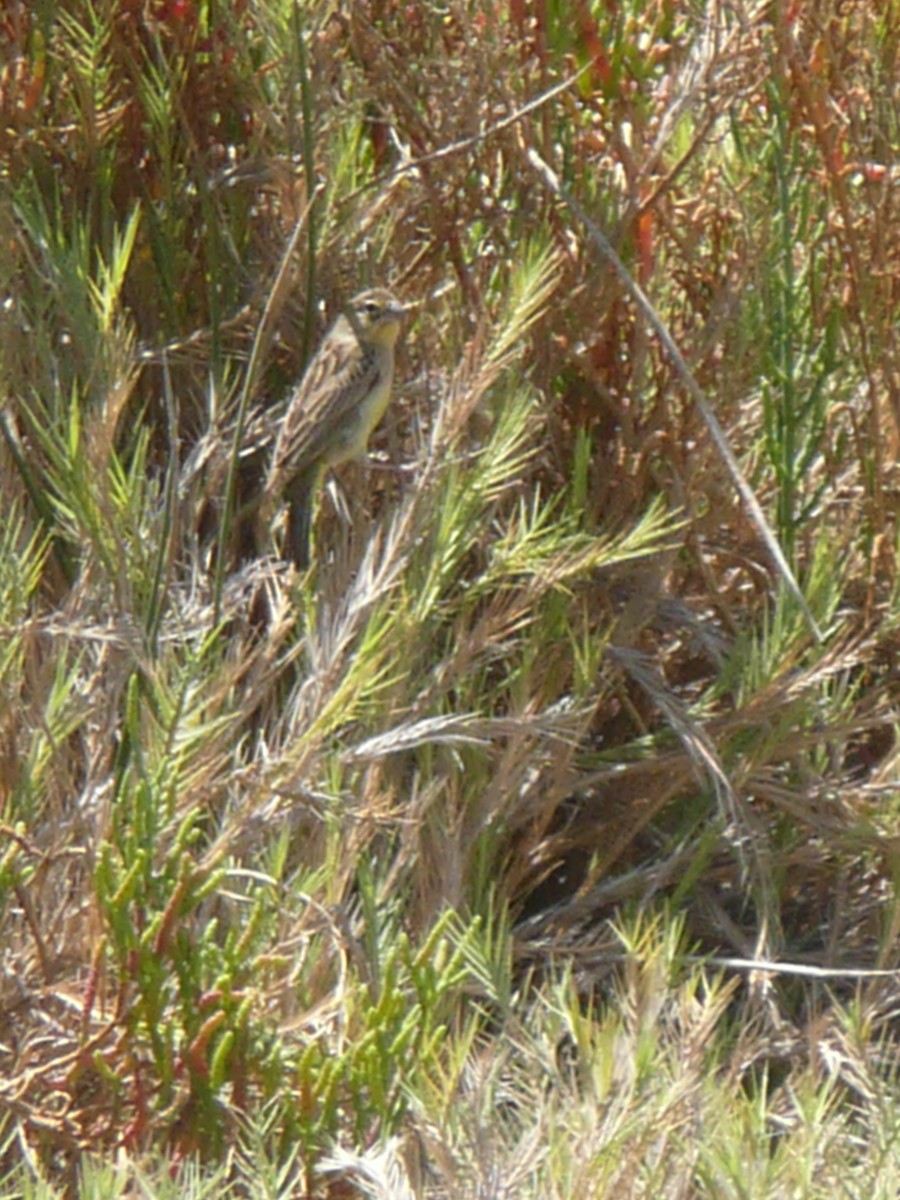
(300, 495)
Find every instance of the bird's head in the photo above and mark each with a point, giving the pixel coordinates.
(376, 316)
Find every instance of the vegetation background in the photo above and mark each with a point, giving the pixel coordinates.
(449, 869)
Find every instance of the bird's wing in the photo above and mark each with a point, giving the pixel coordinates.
(332, 386)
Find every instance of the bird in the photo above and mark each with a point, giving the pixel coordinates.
(341, 397)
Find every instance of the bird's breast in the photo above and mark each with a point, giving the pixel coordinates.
(360, 423)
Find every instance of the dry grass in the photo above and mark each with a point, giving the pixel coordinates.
(401, 877)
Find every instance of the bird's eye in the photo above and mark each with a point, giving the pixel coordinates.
(372, 307)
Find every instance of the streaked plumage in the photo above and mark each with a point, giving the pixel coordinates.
(329, 419)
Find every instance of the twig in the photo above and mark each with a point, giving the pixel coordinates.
(263, 333)
(550, 178)
(475, 139)
(803, 969)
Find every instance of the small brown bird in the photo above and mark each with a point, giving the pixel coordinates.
(340, 399)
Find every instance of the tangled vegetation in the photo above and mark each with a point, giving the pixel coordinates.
(541, 840)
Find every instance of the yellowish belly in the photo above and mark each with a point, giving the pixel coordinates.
(356, 431)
